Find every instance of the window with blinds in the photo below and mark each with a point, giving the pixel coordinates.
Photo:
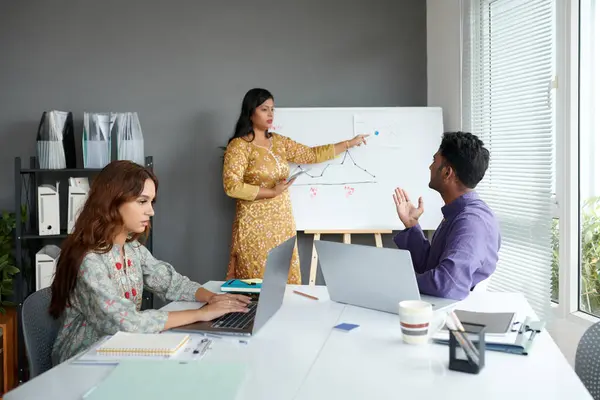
(508, 80)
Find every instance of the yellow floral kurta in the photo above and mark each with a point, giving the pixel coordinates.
(261, 225)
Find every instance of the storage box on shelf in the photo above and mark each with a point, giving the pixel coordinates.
(30, 240)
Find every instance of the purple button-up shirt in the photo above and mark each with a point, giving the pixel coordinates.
(463, 250)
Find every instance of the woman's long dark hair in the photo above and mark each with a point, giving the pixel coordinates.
(97, 224)
(252, 99)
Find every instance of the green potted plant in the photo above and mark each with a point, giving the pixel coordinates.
(7, 257)
(590, 256)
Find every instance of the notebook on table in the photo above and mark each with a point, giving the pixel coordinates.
(242, 286)
(143, 343)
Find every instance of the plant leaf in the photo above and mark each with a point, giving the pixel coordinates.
(11, 269)
(587, 236)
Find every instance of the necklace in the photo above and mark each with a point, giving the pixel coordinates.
(122, 273)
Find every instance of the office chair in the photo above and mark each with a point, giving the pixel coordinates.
(587, 360)
(39, 331)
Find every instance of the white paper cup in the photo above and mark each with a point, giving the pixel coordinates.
(415, 318)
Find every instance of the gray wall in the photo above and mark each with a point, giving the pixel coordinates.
(184, 67)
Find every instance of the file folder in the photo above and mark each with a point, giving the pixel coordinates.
(45, 265)
(48, 210)
(78, 192)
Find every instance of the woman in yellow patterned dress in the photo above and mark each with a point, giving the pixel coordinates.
(254, 173)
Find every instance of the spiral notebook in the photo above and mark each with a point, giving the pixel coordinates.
(143, 343)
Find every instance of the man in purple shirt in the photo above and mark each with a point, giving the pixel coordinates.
(464, 248)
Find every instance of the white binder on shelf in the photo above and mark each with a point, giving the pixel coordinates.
(48, 210)
(78, 192)
(45, 265)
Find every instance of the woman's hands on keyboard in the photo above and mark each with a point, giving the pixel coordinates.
(231, 298)
(219, 308)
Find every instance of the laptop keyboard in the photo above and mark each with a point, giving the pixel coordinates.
(236, 320)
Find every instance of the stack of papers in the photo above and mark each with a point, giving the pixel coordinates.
(130, 141)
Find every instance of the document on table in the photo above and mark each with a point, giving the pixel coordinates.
(170, 379)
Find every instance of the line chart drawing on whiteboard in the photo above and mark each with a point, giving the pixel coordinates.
(353, 190)
(345, 172)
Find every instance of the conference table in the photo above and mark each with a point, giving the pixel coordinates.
(299, 355)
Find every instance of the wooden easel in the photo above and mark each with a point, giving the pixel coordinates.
(317, 236)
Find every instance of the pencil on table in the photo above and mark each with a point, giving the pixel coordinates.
(306, 295)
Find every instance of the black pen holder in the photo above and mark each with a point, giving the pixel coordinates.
(474, 357)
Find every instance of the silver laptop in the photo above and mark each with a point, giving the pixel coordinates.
(371, 277)
(264, 304)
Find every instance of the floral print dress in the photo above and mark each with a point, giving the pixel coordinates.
(108, 297)
(261, 225)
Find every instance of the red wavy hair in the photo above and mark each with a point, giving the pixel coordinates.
(97, 225)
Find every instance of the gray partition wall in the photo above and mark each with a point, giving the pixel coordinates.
(184, 66)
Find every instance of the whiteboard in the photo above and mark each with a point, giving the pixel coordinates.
(354, 190)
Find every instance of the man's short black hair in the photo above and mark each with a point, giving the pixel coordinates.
(465, 153)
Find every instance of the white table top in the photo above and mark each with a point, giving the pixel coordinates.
(297, 355)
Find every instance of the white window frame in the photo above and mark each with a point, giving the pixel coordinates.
(567, 162)
(567, 206)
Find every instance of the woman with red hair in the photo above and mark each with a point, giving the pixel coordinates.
(103, 268)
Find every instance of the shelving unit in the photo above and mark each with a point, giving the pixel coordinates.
(28, 241)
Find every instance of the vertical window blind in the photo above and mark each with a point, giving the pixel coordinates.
(508, 80)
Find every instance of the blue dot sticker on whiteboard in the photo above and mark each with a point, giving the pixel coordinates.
(376, 133)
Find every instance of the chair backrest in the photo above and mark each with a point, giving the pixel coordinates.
(587, 360)
(39, 331)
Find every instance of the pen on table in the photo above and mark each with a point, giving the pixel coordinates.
(202, 343)
(306, 295)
